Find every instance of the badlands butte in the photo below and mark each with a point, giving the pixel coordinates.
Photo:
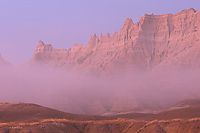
(147, 67)
(155, 41)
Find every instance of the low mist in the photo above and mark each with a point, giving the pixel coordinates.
(148, 92)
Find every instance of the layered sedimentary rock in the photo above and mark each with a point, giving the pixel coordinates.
(155, 40)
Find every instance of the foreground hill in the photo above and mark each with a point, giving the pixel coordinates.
(26, 112)
(63, 125)
(170, 40)
(104, 126)
(185, 109)
(34, 118)
(183, 113)
(185, 103)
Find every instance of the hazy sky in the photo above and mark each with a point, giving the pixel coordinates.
(65, 22)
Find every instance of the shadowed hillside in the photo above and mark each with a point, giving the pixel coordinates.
(23, 117)
(26, 112)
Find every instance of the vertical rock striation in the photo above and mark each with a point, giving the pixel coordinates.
(170, 40)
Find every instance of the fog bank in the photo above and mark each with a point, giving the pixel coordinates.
(133, 92)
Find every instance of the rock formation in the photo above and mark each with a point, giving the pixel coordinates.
(154, 41)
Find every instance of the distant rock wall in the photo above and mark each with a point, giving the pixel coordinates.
(154, 41)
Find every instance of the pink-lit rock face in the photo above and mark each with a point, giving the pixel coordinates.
(154, 41)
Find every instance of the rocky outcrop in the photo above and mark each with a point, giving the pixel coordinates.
(170, 40)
